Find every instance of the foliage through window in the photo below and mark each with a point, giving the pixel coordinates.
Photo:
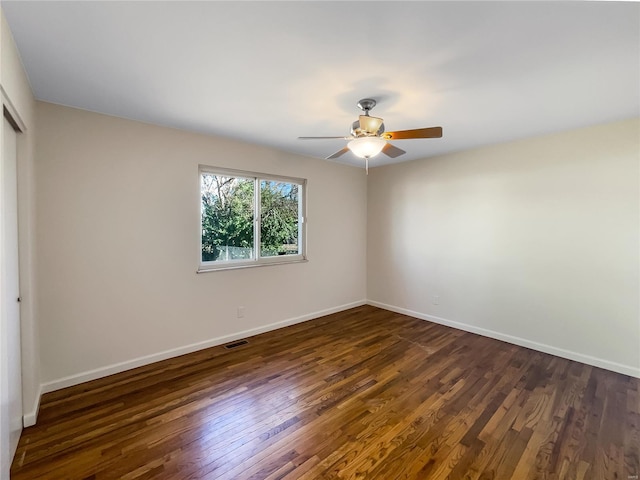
(250, 219)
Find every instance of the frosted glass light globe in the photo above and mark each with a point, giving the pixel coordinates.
(366, 147)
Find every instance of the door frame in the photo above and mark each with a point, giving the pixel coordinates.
(13, 119)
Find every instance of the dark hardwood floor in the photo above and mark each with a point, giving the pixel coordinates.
(364, 393)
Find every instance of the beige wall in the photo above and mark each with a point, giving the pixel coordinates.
(534, 242)
(118, 240)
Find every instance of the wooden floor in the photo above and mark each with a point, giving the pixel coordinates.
(364, 393)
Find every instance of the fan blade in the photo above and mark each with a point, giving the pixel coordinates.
(433, 132)
(338, 153)
(322, 138)
(369, 124)
(392, 151)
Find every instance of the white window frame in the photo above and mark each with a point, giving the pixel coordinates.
(257, 260)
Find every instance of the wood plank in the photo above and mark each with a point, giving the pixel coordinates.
(364, 393)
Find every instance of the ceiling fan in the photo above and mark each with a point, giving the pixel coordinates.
(368, 137)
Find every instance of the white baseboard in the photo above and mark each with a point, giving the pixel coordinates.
(175, 352)
(29, 419)
(541, 347)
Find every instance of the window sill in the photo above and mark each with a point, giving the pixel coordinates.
(227, 266)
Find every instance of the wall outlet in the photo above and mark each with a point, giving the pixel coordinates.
(436, 300)
(240, 312)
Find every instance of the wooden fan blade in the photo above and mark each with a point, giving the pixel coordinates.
(392, 151)
(338, 153)
(369, 124)
(322, 138)
(433, 132)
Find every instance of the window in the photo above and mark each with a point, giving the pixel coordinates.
(250, 219)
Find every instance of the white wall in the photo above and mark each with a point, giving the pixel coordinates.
(18, 99)
(118, 240)
(534, 242)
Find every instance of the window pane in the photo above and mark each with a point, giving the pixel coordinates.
(227, 217)
(279, 218)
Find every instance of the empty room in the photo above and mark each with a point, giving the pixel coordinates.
(320, 240)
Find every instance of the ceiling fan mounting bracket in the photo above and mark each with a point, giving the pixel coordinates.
(366, 104)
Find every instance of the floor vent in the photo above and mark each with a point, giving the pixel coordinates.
(239, 343)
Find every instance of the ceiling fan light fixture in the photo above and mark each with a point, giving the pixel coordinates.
(369, 138)
(366, 147)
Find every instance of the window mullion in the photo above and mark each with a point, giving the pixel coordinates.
(256, 219)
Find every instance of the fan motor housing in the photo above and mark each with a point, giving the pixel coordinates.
(356, 131)
(365, 105)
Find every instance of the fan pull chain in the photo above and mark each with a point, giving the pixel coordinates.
(366, 162)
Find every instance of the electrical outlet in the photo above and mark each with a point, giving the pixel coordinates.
(240, 312)
(436, 300)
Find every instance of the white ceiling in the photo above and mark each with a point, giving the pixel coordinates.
(268, 72)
